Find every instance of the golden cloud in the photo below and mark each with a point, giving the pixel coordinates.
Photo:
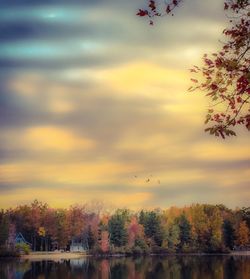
(50, 137)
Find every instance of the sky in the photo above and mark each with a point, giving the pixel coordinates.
(94, 106)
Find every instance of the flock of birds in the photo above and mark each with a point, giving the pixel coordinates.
(149, 179)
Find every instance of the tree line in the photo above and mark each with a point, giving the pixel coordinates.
(190, 229)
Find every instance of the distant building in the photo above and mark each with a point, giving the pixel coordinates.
(77, 246)
(16, 239)
(19, 239)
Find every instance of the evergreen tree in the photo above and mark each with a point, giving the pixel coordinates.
(228, 234)
(152, 226)
(4, 228)
(185, 230)
(117, 230)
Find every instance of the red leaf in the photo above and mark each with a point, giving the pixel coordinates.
(222, 134)
(168, 10)
(142, 12)
(214, 86)
(226, 6)
(152, 5)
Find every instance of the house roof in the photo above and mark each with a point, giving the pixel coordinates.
(19, 238)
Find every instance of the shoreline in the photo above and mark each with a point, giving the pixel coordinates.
(53, 256)
(75, 255)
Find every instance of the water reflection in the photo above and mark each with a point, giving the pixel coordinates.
(172, 267)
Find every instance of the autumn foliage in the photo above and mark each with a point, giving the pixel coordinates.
(224, 76)
(195, 228)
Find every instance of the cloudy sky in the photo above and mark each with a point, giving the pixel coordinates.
(94, 105)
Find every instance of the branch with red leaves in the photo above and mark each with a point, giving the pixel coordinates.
(225, 74)
(154, 9)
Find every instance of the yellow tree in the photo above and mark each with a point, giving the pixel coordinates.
(200, 224)
(41, 232)
(216, 222)
(242, 234)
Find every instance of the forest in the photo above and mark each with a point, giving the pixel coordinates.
(198, 228)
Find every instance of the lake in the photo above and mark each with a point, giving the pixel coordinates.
(168, 267)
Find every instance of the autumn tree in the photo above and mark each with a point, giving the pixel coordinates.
(88, 237)
(225, 75)
(215, 229)
(135, 231)
(173, 236)
(94, 232)
(27, 219)
(105, 241)
(245, 212)
(242, 238)
(49, 222)
(200, 226)
(75, 221)
(37, 215)
(60, 237)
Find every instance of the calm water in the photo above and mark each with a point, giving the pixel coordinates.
(181, 267)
